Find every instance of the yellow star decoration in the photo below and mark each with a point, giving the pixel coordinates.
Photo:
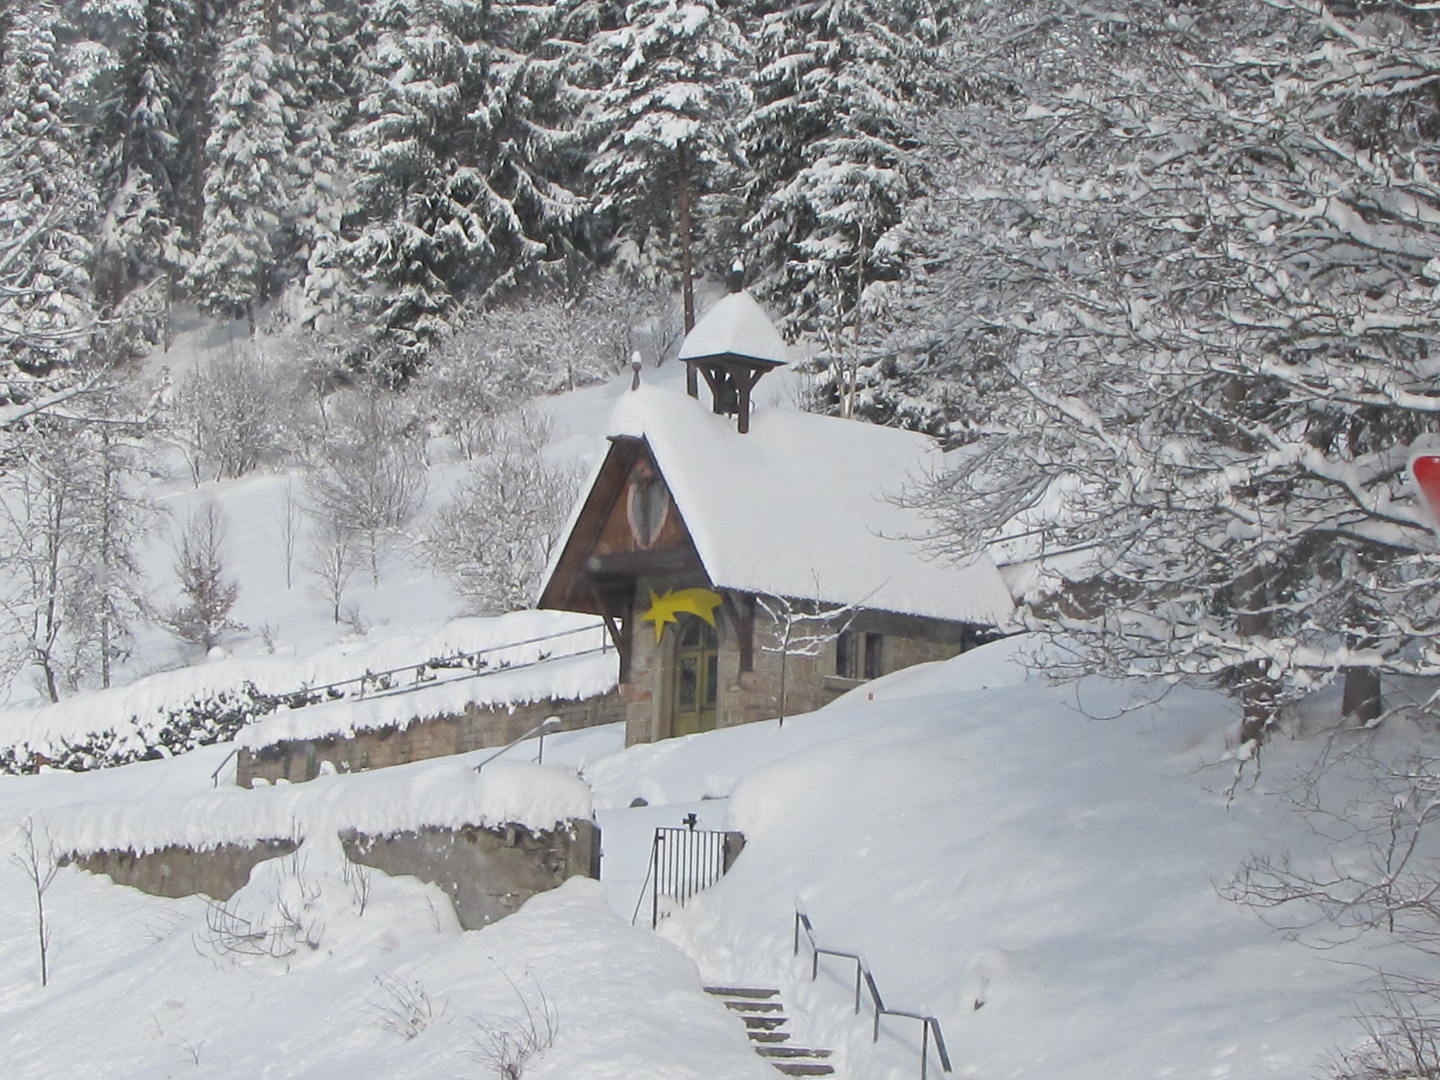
(665, 609)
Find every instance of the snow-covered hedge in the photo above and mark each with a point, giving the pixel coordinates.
(215, 717)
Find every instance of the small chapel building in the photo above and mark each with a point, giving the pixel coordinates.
(751, 563)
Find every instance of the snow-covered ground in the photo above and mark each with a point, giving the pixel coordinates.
(1043, 882)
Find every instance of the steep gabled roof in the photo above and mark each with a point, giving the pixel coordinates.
(802, 506)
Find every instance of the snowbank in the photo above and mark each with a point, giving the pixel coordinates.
(134, 711)
(445, 792)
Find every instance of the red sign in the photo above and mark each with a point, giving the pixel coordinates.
(1425, 468)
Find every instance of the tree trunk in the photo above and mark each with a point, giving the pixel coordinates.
(1257, 689)
(692, 385)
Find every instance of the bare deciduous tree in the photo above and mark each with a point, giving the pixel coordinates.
(71, 525)
(494, 538)
(36, 860)
(290, 518)
(801, 628)
(370, 478)
(332, 561)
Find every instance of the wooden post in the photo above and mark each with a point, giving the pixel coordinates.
(746, 381)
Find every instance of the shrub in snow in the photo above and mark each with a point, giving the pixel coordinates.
(202, 616)
(225, 415)
(404, 1007)
(279, 929)
(494, 538)
(506, 1044)
(211, 719)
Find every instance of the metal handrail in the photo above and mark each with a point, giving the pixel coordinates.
(382, 680)
(548, 724)
(215, 776)
(928, 1024)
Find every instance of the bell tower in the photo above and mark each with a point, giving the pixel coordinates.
(732, 346)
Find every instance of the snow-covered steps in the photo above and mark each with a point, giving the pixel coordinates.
(764, 1016)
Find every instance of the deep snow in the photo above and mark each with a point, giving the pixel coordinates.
(1042, 881)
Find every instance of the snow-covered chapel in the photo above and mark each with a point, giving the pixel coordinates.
(753, 562)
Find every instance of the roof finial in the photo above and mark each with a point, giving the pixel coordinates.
(736, 279)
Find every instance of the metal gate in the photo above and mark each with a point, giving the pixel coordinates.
(683, 861)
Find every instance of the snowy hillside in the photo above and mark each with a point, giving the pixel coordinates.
(1041, 881)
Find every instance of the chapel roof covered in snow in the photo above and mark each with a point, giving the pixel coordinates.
(802, 506)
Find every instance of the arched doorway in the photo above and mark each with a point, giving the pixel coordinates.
(697, 677)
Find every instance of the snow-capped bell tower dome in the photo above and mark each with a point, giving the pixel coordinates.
(732, 346)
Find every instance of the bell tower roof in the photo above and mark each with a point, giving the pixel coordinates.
(735, 326)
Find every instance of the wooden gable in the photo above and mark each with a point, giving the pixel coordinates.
(628, 527)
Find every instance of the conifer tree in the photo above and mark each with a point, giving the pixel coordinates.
(667, 116)
(245, 196)
(315, 55)
(142, 177)
(468, 155)
(830, 143)
(45, 202)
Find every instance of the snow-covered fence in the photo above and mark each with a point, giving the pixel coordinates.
(928, 1024)
(412, 677)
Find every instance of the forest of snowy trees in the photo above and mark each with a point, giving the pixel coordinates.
(382, 166)
(1165, 273)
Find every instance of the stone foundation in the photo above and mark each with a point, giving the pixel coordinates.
(487, 873)
(218, 872)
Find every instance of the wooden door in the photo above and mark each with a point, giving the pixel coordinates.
(697, 677)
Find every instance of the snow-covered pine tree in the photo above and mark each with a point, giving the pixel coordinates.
(315, 57)
(1181, 296)
(531, 147)
(245, 195)
(422, 76)
(676, 91)
(141, 172)
(467, 165)
(838, 86)
(45, 203)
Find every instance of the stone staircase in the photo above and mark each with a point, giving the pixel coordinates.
(764, 1016)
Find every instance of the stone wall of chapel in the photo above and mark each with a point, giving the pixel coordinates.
(810, 682)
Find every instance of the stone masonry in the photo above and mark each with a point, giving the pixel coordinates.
(474, 729)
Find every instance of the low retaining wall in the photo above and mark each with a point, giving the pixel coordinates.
(218, 872)
(487, 873)
(474, 729)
